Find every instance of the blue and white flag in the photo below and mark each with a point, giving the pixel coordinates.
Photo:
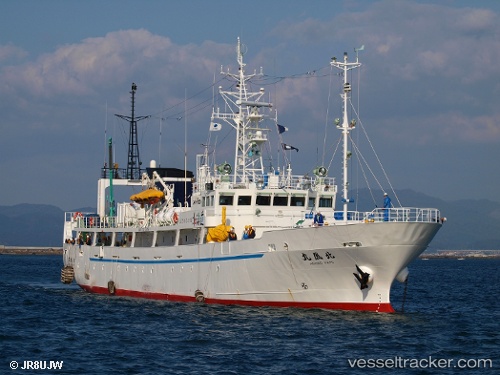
(281, 128)
(214, 127)
(288, 147)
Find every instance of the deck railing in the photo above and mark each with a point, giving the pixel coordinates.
(89, 220)
(378, 215)
(281, 181)
(401, 214)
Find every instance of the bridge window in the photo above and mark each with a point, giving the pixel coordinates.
(244, 200)
(325, 202)
(226, 200)
(280, 200)
(208, 201)
(263, 200)
(297, 201)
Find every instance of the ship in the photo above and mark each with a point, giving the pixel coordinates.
(240, 233)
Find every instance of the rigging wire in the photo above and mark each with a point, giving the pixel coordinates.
(261, 80)
(334, 153)
(309, 74)
(189, 98)
(376, 156)
(361, 158)
(327, 115)
(357, 133)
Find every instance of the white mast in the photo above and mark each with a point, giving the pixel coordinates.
(244, 117)
(346, 125)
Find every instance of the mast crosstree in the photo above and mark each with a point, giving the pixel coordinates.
(244, 115)
(134, 161)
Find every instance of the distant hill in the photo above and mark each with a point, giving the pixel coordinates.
(472, 224)
(32, 225)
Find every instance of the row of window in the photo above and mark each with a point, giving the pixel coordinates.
(269, 200)
(142, 239)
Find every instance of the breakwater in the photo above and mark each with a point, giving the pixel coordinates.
(462, 254)
(25, 250)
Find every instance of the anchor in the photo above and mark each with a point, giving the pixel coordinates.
(363, 278)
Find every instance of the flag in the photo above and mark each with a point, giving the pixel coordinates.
(214, 127)
(281, 128)
(288, 147)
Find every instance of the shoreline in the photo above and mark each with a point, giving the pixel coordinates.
(27, 250)
(460, 257)
(462, 254)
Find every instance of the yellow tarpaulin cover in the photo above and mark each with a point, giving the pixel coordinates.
(221, 231)
(148, 196)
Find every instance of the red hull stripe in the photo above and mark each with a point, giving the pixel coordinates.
(356, 306)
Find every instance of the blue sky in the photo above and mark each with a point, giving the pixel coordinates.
(430, 84)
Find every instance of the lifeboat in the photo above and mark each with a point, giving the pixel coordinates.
(149, 196)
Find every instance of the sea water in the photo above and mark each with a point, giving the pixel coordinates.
(450, 324)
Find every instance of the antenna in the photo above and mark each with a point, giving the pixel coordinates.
(134, 162)
(185, 146)
(243, 114)
(345, 126)
(112, 211)
(362, 48)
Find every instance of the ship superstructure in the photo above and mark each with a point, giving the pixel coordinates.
(250, 235)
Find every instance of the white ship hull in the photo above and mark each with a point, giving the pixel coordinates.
(305, 267)
(178, 240)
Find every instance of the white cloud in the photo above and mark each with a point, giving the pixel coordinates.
(478, 129)
(430, 78)
(421, 61)
(84, 68)
(10, 52)
(60, 91)
(475, 21)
